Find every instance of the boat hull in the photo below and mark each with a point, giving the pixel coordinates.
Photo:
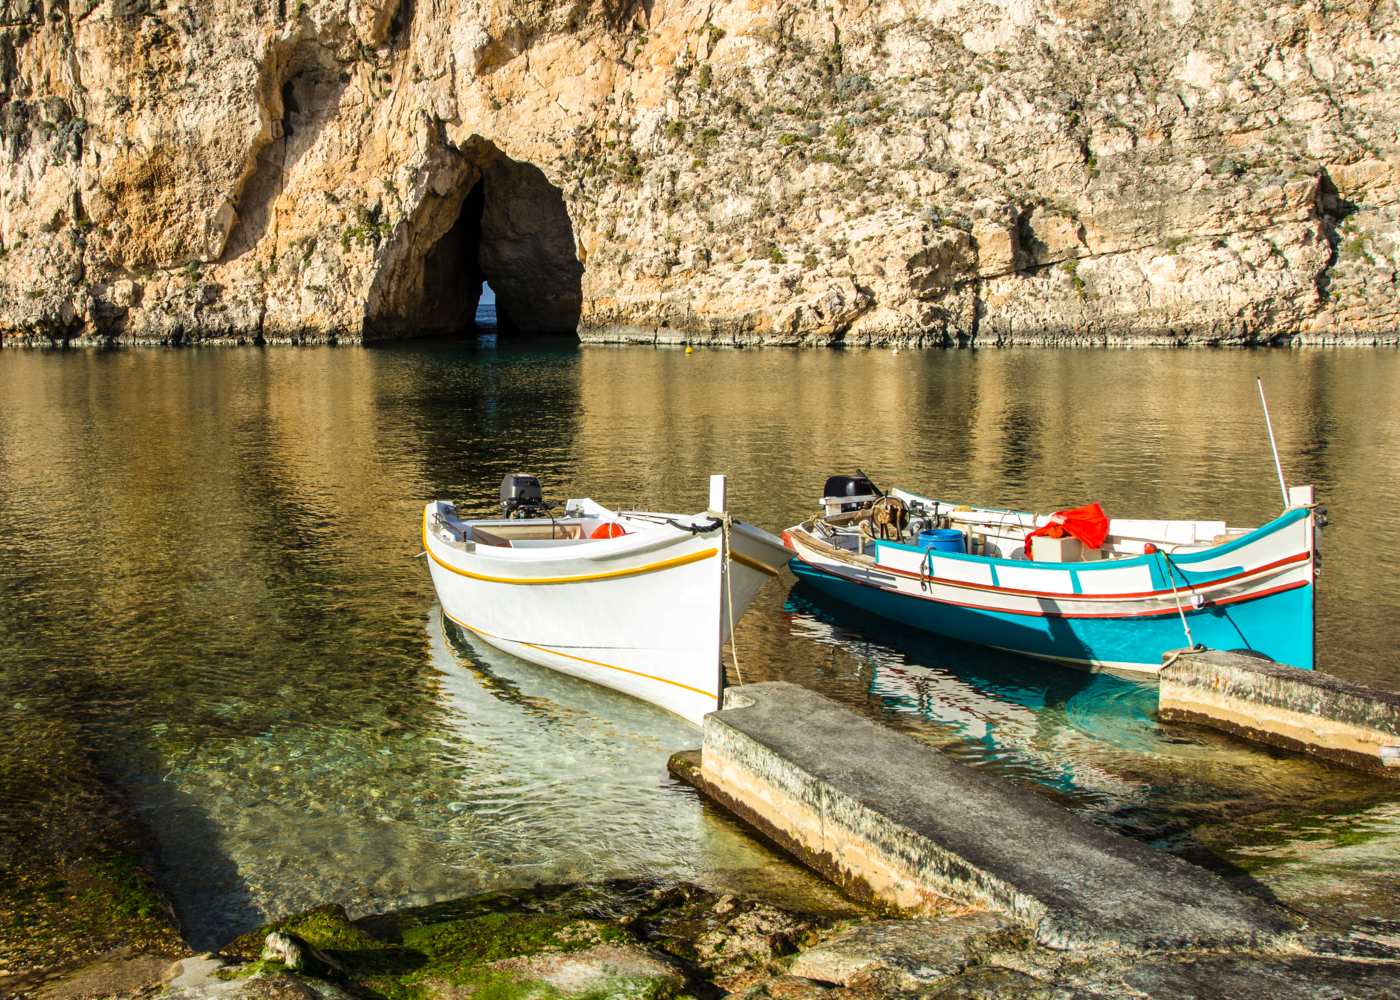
(1128, 645)
(1256, 594)
(646, 620)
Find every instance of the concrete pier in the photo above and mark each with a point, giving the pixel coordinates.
(893, 821)
(1282, 706)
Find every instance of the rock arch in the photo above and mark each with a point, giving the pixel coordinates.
(485, 217)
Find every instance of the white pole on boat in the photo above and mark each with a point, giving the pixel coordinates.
(718, 494)
(1268, 422)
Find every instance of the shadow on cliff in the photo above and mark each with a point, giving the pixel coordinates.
(300, 90)
(487, 218)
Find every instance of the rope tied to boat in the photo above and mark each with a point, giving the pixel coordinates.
(1173, 572)
(694, 529)
(1177, 654)
(727, 520)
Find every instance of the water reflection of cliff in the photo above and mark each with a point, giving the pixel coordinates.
(1038, 427)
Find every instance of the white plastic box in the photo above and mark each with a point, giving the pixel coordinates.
(1067, 549)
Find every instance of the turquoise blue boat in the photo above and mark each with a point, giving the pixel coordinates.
(1148, 588)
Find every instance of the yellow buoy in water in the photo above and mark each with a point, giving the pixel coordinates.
(689, 349)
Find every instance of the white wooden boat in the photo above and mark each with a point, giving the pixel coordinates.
(636, 601)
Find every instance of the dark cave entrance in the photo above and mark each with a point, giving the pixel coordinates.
(501, 223)
(452, 274)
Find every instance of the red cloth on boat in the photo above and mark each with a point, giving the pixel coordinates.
(1089, 524)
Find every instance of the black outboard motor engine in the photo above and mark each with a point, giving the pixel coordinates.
(846, 493)
(521, 496)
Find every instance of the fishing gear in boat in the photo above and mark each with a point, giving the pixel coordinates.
(890, 517)
(1116, 593)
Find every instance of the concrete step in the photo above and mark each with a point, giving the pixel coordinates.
(1300, 710)
(893, 821)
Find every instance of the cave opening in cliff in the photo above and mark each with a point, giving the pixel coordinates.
(452, 276)
(500, 223)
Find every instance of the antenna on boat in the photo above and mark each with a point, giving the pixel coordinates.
(1278, 465)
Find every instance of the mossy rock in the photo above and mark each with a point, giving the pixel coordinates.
(326, 927)
(626, 940)
(414, 956)
(723, 935)
(615, 972)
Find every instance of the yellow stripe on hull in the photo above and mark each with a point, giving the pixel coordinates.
(581, 659)
(611, 574)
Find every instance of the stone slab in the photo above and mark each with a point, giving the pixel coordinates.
(894, 821)
(115, 974)
(1300, 710)
(907, 953)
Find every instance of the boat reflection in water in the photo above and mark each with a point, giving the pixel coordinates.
(560, 779)
(1056, 728)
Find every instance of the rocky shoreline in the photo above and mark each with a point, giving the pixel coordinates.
(646, 940)
(633, 336)
(81, 919)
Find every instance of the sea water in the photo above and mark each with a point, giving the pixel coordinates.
(207, 558)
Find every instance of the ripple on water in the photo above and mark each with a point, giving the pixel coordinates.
(525, 776)
(206, 558)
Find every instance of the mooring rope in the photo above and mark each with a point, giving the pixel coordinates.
(1173, 571)
(729, 600)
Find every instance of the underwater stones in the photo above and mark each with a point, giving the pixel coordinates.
(72, 886)
(118, 973)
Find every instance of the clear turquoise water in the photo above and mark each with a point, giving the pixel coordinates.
(206, 558)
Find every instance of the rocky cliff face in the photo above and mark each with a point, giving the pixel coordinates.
(733, 171)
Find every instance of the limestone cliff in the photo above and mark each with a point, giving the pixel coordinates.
(710, 170)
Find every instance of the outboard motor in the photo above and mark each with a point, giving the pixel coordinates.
(521, 496)
(845, 493)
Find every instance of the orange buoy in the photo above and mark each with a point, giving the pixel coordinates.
(609, 529)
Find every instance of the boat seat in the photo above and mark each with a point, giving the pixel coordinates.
(508, 535)
(484, 537)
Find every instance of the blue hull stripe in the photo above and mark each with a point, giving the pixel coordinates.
(1278, 625)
